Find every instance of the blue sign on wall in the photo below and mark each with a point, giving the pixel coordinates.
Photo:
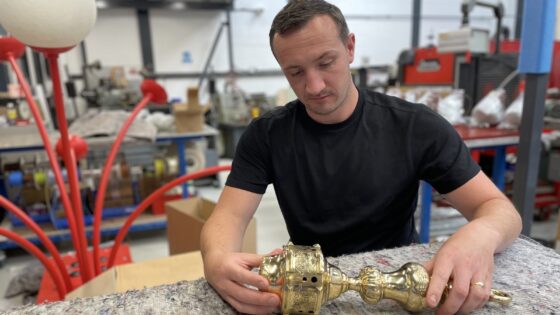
(186, 57)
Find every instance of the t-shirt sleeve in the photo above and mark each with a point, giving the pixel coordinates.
(251, 166)
(439, 153)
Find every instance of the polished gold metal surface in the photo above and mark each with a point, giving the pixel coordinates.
(304, 280)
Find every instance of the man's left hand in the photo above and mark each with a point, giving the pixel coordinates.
(467, 261)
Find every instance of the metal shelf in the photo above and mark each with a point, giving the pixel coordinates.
(29, 141)
(109, 227)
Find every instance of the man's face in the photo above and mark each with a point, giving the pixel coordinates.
(316, 63)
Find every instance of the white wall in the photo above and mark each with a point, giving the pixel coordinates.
(250, 34)
(115, 39)
(382, 28)
(177, 32)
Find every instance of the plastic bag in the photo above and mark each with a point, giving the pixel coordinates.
(451, 107)
(430, 98)
(512, 118)
(490, 110)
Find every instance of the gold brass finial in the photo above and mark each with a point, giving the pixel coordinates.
(304, 280)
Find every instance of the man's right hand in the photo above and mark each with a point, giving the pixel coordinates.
(230, 273)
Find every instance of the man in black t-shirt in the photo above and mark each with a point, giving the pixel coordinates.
(345, 165)
(359, 175)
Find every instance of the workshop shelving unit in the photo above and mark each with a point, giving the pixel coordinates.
(112, 218)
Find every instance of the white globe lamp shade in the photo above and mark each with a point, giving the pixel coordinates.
(48, 23)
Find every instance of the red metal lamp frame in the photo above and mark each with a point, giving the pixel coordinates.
(10, 50)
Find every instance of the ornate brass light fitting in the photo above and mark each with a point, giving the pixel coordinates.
(304, 280)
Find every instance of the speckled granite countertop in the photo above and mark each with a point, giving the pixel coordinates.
(527, 270)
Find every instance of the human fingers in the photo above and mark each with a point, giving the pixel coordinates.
(478, 292)
(249, 308)
(245, 276)
(236, 267)
(441, 271)
(429, 265)
(487, 285)
(458, 293)
(245, 297)
(487, 289)
(276, 251)
(249, 261)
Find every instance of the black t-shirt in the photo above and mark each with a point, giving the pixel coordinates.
(351, 186)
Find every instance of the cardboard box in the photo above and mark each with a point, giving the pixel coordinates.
(146, 274)
(185, 219)
(189, 117)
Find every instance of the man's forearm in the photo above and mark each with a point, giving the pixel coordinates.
(222, 233)
(499, 215)
(224, 230)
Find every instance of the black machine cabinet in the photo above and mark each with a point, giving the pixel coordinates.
(484, 73)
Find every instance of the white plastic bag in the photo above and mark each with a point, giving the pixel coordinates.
(410, 96)
(451, 107)
(429, 98)
(512, 118)
(490, 110)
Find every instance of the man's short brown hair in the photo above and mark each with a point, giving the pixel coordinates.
(297, 13)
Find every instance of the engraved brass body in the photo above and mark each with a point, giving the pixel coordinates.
(304, 280)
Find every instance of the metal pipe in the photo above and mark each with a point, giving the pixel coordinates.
(230, 42)
(528, 155)
(86, 270)
(145, 38)
(100, 198)
(211, 55)
(416, 8)
(519, 19)
(52, 157)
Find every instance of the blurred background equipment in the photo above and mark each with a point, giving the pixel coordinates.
(116, 87)
(471, 60)
(232, 110)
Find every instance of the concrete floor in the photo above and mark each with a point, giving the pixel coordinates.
(271, 234)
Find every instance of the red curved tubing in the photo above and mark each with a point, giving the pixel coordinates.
(57, 278)
(69, 161)
(102, 189)
(146, 202)
(52, 160)
(42, 237)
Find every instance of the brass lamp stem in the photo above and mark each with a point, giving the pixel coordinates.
(304, 280)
